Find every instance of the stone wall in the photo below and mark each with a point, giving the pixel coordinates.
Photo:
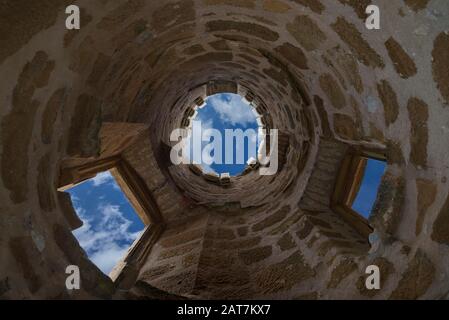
(322, 77)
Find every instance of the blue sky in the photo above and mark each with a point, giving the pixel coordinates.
(228, 111)
(367, 194)
(110, 223)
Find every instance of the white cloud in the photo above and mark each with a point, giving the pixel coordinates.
(106, 239)
(231, 109)
(207, 168)
(102, 178)
(107, 258)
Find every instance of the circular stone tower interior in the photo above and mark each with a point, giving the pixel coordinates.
(107, 96)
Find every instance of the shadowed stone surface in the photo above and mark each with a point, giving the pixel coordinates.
(306, 32)
(417, 278)
(354, 39)
(439, 233)
(440, 64)
(402, 62)
(418, 114)
(17, 126)
(389, 100)
(76, 102)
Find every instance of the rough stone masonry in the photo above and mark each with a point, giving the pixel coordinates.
(71, 100)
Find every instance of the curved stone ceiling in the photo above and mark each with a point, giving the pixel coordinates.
(316, 73)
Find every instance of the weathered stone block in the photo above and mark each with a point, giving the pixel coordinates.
(284, 275)
(255, 255)
(272, 219)
(417, 278)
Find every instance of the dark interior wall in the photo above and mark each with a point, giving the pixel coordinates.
(135, 61)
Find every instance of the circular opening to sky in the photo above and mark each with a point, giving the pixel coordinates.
(229, 134)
